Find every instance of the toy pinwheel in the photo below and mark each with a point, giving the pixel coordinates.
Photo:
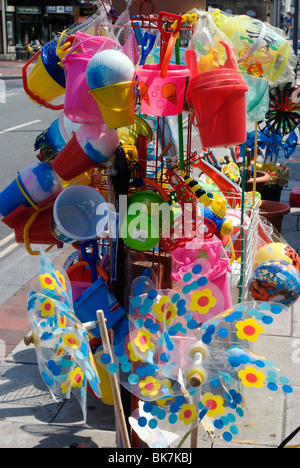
(187, 369)
(283, 115)
(61, 342)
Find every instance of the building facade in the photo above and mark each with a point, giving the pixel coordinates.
(20, 19)
(40, 20)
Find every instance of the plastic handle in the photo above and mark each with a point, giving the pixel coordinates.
(167, 57)
(158, 188)
(83, 263)
(147, 46)
(40, 101)
(168, 39)
(223, 182)
(255, 45)
(191, 62)
(101, 44)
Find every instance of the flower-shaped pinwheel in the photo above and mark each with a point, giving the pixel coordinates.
(159, 360)
(64, 356)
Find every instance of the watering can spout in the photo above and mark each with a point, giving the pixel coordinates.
(191, 61)
(231, 61)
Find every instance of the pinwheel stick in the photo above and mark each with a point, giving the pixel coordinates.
(196, 377)
(28, 340)
(114, 382)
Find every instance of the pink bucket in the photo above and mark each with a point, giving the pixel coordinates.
(214, 267)
(162, 97)
(80, 106)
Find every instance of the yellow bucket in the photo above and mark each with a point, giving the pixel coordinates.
(105, 386)
(41, 84)
(260, 51)
(116, 103)
(131, 133)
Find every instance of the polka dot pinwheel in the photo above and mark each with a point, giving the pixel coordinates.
(64, 357)
(157, 362)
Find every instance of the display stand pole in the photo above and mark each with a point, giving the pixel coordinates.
(254, 163)
(242, 224)
(179, 117)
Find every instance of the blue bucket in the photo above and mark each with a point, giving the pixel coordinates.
(12, 197)
(98, 297)
(50, 61)
(51, 137)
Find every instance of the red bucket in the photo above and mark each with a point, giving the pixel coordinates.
(39, 231)
(72, 161)
(218, 102)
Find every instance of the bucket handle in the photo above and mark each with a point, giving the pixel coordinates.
(158, 188)
(233, 88)
(255, 45)
(26, 230)
(35, 98)
(216, 259)
(84, 263)
(88, 39)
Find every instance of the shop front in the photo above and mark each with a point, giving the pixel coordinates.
(56, 19)
(29, 23)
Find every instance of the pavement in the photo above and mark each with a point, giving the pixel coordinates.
(11, 69)
(31, 418)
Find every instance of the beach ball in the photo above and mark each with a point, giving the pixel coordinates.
(109, 67)
(275, 281)
(277, 251)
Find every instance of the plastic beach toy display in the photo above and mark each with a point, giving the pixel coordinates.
(171, 270)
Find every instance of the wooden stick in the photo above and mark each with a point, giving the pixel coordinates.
(114, 382)
(194, 430)
(194, 437)
(28, 340)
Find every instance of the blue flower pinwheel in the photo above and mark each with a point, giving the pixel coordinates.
(290, 145)
(270, 140)
(64, 357)
(188, 370)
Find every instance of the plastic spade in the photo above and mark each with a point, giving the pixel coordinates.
(147, 46)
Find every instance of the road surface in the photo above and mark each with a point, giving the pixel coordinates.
(21, 121)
